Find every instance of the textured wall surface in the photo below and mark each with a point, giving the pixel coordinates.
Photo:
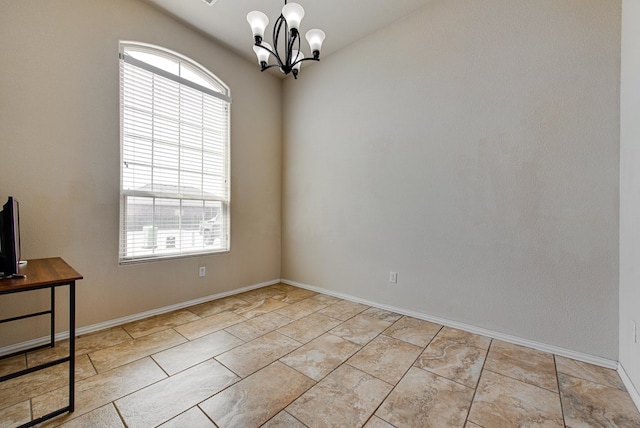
(630, 191)
(60, 149)
(474, 149)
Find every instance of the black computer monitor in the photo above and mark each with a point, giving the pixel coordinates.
(10, 239)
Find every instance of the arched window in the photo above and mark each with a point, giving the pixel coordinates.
(174, 191)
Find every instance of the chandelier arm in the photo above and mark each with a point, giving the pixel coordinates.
(276, 35)
(287, 45)
(305, 59)
(292, 41)
(276, 32)
(266, 67)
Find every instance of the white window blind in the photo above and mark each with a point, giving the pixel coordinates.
(175, 156)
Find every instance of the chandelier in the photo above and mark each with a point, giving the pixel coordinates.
(291, 58)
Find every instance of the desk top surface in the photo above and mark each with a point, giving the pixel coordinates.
(40, 273)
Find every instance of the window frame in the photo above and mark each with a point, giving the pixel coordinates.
(156, 193)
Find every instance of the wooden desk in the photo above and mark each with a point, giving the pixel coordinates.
(42, 274)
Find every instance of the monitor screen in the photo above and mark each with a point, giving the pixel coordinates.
(10, 239)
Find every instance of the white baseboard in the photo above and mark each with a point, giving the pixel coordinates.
(631, 388)
(130, 318)
(598, 361)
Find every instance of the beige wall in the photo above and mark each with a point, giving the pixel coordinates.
(59, 144)
(472, 148)
(629, 190)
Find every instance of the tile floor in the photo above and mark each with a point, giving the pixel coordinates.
(281, 356)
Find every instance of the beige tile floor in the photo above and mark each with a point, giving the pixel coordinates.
(281, 356)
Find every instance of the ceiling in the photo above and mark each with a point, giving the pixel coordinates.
(343, 21)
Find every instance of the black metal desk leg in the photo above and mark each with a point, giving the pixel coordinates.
(72, 344)
(53, 317)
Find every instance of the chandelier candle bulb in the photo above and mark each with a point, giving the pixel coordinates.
(293, 14)
(315, 38)
(258, 22)
(297, 60)
(263, 53)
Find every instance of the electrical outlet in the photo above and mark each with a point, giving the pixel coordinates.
(202, 271)
(393, 277)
